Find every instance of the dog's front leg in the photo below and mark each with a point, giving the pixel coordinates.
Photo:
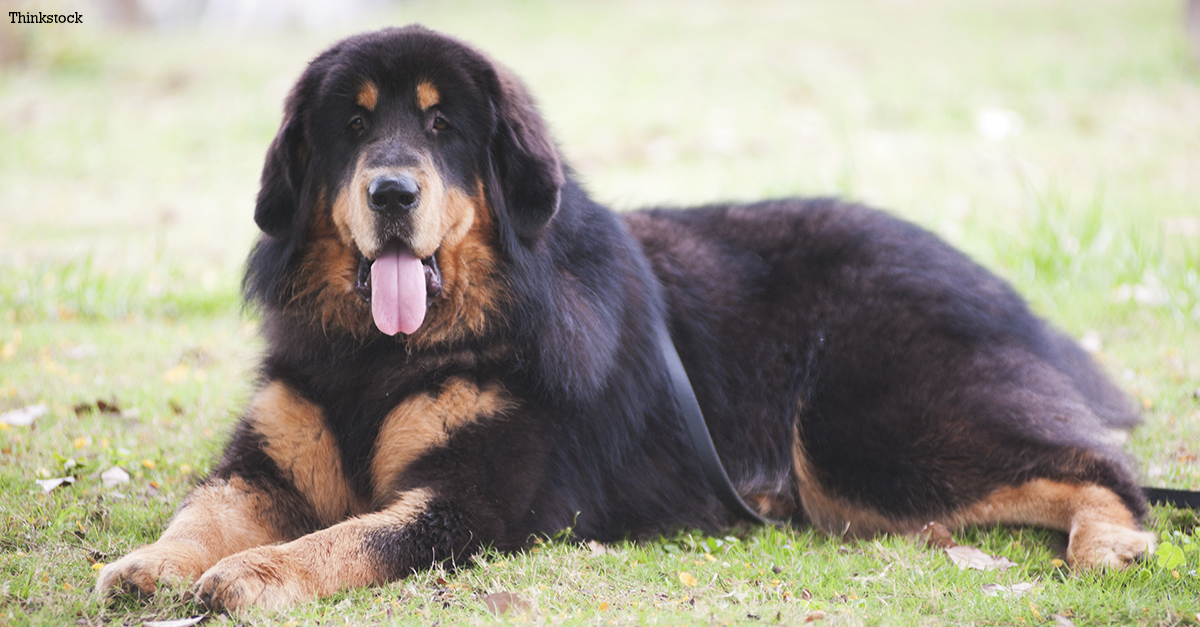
(280, 478)
(219, 518)
(414, 532)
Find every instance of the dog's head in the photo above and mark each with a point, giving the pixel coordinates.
(403, 161)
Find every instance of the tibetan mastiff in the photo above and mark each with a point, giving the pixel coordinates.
(461, 353)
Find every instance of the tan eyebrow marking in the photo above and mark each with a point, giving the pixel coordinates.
(427, 95)
(368, 96)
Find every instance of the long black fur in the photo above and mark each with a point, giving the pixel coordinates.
(918, 381)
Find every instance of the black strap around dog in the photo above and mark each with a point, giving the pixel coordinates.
(702, 442)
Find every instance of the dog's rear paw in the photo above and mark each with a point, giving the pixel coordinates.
(143, 569)
(1099, 545)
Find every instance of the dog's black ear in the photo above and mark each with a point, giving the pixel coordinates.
(529, 168)
(282, 178)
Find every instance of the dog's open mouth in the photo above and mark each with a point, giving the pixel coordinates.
(399, 288)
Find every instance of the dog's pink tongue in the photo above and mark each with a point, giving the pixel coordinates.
(397, 291)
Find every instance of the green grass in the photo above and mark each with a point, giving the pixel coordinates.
(130, 164)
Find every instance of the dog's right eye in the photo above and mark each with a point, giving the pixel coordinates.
(357, 124)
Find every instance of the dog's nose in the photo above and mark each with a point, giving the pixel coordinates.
(393, 194)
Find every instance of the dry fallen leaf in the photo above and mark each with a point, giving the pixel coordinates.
(101, 405)
(25, 416)
(503, 602)
(688, 580)
(971, 557)
(1062, 621)
(114, 476)
(597, 548)
(936, 534)
(997, 589)
(179, 622)
(176, 374)
(50, 484)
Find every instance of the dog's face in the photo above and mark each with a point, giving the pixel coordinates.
(406, 166)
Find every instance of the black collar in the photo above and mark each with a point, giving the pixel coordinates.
(702, 442)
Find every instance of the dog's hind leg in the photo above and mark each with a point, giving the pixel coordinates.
(1103, 533)
(833, 514)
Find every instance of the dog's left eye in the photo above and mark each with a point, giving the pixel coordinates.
(357, 124)
(440, 123)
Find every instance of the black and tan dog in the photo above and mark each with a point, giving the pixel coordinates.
(461, 353)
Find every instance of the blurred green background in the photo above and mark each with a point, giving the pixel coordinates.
(135, 151)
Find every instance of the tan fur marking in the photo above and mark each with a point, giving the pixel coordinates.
(433, 218)
(832, 514)
(316, 565)
(423, 422)
(772, 505)
(328, 274)
(216, 520)
(368, 96)
(352, 216)
(296, 438)
(1103, 532)
(427, 95)
(468, 263)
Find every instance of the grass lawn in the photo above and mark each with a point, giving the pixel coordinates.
(1058, 142)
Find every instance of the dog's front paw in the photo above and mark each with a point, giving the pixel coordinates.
(1100, 545)
(141, 570)
(264, 577)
